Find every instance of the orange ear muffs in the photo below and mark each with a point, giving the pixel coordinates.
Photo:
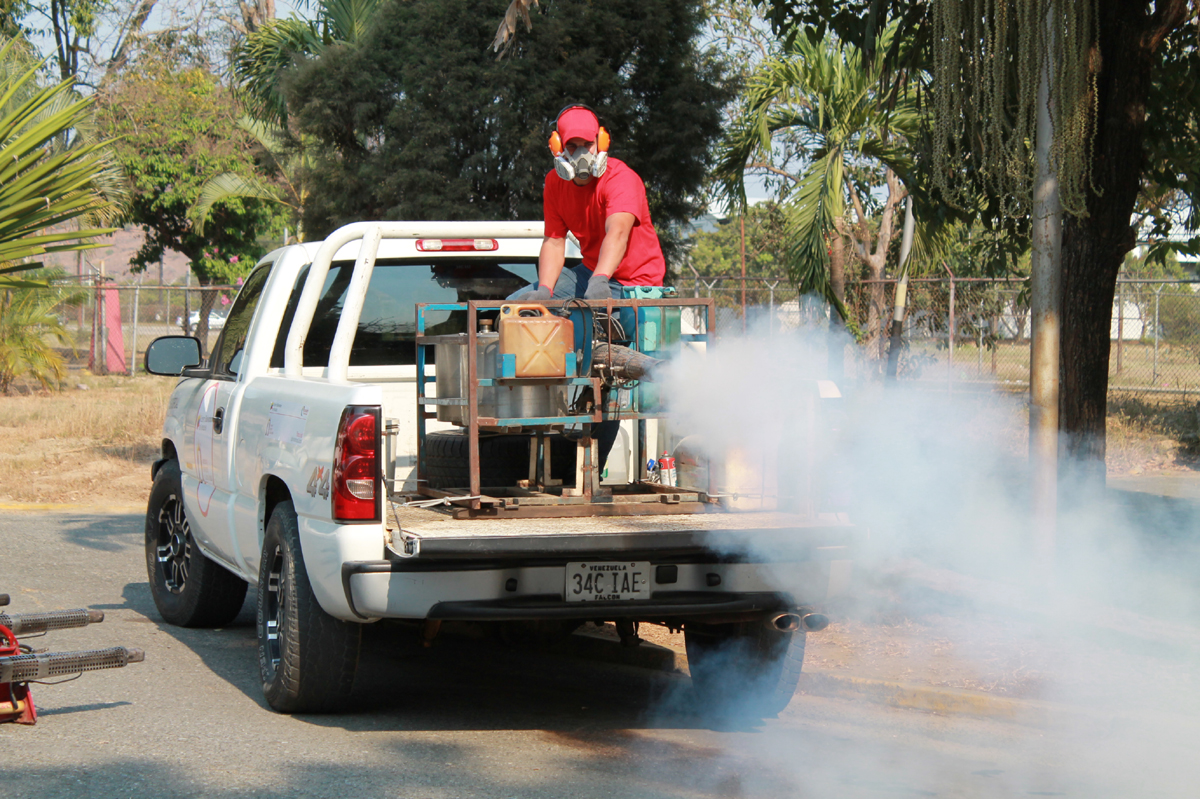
(601, 140)
(556, 145)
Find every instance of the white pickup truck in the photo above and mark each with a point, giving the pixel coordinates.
(289, 462)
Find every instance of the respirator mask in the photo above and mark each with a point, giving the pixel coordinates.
(582, 163)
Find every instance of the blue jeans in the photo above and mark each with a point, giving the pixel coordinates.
(571, 283)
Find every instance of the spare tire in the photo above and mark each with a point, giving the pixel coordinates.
(503, 459)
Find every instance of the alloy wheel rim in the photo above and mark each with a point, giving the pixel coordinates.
(173, 549)
(272, 617)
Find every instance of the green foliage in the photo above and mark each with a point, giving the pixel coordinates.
(266, 55)
(1171, 189)
(828, 94)
(178, 127)
(417, 120)
(28, 325)
(719, 252)
(1171, 185)
(278, 179)
(13, 18)
(49, 176)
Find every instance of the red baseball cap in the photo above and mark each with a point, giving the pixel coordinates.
(578, 123)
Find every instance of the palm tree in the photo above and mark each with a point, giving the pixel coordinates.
(826, 96)
(267, 53)
(27, 318)
(289, 159)
(54, 175)
(259, 65)
(52, 170)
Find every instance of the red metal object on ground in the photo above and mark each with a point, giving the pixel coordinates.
(16, 704)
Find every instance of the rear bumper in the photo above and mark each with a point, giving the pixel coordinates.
(491, 591)
(664, 605)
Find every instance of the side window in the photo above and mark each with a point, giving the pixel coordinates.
(289, 313)
(237, 325)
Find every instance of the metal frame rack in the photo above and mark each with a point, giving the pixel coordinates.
(540, 496)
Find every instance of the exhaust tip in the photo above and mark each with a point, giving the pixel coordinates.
(814, 622)
(785, 622)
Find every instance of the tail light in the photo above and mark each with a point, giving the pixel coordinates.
(356, 472)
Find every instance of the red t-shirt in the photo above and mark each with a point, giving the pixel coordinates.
(583, 211)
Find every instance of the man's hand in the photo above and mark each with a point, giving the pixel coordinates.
(597, 288)
(537, 293)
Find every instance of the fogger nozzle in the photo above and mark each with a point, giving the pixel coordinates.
(48, 621)
(48, 665)
(622, 362)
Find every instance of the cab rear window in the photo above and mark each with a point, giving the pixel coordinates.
(386, 333)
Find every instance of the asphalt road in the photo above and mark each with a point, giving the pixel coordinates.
(468, 718)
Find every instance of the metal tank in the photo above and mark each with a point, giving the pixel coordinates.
(502, 402)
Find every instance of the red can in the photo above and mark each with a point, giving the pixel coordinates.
(666, 470)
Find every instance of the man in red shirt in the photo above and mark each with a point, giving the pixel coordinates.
(603, 202)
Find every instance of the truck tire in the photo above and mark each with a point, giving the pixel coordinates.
(189, 590)
(745, 668)
(306, 657)
(503, 459)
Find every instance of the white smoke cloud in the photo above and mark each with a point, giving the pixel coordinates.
(940, 480)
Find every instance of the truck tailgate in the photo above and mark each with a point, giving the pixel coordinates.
(772, 536)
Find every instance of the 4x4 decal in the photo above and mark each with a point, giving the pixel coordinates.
(318, 483)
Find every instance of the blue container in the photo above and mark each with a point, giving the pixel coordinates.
(658, 331)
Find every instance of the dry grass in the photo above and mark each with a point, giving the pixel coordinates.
(90, 445)
(1145, 436)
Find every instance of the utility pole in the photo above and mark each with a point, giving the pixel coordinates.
(742, 221)
(1045, 307)
(900, 302)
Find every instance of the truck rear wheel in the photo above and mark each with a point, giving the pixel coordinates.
(189, 590)
(306, 657)
(743, 668)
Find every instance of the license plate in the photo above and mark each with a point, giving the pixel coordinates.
(606, 581)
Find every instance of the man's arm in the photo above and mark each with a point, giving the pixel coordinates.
(550, 261)
(617, 228)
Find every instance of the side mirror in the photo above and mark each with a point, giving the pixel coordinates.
(170, 355)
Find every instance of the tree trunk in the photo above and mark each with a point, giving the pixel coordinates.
(874, 260)
(1094, 247)
(876, 310)
(208, 298)
(255, 13)
(837, 326)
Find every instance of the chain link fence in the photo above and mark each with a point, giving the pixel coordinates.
(976, 330)
(114, 324)
(956, 330)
